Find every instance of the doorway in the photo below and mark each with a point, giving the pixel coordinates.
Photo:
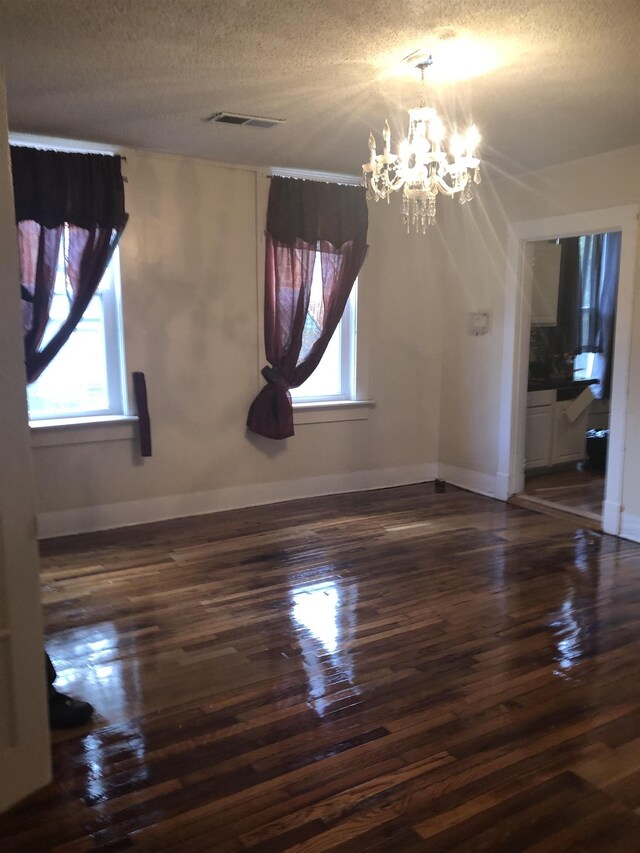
(574, 284)
(515, 374)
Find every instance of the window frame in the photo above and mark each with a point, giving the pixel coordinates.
(114, 339)
(93, 426)
(110, 294)
(347, 329)
(361, 407)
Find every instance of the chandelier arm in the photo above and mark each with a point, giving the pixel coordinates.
(396, 184)
(444, 187)
(381, 176)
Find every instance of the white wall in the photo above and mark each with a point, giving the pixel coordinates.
(189, 267)
(475, 279)
(473, 238)
(190, 301)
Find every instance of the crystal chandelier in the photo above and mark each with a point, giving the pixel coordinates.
(423, 167)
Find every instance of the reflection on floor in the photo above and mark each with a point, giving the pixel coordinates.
(391, 670)
(578, 489)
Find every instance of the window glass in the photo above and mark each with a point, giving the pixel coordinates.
(86, 376)
(583, 365)
(333, 379)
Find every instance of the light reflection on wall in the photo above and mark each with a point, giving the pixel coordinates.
(324, 617)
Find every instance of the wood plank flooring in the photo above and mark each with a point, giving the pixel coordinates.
(390, 671)
(576, 489)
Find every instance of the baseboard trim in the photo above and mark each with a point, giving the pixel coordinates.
(630, 526)
(465, 478)
(612, 518)
(127, 513)
(503, 486)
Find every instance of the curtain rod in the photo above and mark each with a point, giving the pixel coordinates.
(316, 180)
(59, 143)
(66, 150)
(318, 177)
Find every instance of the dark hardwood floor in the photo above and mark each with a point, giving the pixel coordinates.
(576, 489)
(388, 671)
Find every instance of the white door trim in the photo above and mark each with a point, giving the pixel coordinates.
(510, 478)
(25, 763)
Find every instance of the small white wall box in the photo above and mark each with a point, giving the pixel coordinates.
(479, 323)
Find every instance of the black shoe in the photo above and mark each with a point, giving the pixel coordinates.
(66, 712)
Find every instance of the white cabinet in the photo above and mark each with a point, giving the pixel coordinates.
(546, 282)
(539, 437)
(551, 438)
(569, 439)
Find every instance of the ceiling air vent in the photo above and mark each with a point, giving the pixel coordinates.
(247, 121)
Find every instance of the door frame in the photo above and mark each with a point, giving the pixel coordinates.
(510, 478)
(25, 761)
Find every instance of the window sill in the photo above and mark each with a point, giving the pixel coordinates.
(332, 411)
(60, 431)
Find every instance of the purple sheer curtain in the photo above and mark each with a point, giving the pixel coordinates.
(304, 218)
(38, 249)
(75, 198)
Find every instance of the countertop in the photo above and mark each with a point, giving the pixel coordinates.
(570, 387)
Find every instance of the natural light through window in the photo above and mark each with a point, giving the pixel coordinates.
(86, 378)
(334, 377)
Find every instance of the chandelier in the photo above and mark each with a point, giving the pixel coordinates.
(423, 166)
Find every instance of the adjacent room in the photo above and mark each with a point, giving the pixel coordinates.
(573, 321)
(320, 395)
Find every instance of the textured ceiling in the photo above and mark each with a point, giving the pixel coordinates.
(545, 81)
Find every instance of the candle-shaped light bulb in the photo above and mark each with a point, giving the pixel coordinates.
(436, 131)
(457, 145)
(472, 140)
(386, 135)
(372, 149)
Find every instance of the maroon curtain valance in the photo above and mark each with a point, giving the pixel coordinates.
(55, 187)
(313, 211)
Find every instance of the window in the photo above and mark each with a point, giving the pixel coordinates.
(86, 378)
(334, 378)
(583, 365)
(588, 307)
(597, 292)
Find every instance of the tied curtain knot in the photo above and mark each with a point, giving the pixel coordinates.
(274, 377)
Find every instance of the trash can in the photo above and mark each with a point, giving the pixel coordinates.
(597, 441)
